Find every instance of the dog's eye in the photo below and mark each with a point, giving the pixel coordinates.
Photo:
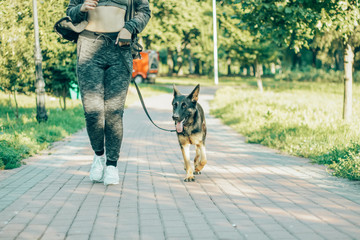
(183, 105)
(175, 105)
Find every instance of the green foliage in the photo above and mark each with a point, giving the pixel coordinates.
(340, 152)
(344, 161)
(23, 137)
(287, 23)
(17, 47)
(184, 29)
(309, 74)
(348, 167)
(11, 153)
(16, 52)
(302, 119)
(341, 17)
(239, 42)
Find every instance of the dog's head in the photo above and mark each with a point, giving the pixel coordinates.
(184, 107)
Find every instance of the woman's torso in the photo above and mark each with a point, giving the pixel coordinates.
(108, 16)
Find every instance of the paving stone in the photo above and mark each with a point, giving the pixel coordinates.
(245, 192)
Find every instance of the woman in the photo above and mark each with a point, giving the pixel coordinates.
(103, 76)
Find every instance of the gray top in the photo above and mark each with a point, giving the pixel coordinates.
(134, 25)
(115, 3)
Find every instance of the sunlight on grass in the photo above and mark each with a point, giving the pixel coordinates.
(23, 137)
(303, 121)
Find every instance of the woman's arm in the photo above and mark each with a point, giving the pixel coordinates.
(141, 18)
(73, 11)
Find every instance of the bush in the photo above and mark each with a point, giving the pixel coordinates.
(345, 161)
(11, 154)
(310, 74)
(336, 153)
(348, 167)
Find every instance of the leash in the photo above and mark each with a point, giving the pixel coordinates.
(145, 110)
(141, 98)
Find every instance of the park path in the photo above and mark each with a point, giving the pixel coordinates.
(246, 191)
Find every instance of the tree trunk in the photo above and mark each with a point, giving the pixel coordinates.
(60, 103)
(180, 62)
(191, 65)
(41, 115)
(314, 56)
(348, 79)
(197, 66)
(246, 71)
(258, 71)
(251, 71)
(273, 68)
(170, 62)
(16, 110)
(175, 62)
(296, 61)
(16, 105)
(228, 62)
(64, 97)
(339, 60)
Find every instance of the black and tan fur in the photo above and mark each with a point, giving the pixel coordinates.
(190, 123)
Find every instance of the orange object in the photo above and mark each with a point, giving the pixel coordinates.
(146, 68)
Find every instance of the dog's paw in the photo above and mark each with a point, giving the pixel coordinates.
(189, 179)
(197, 173)
(198, 168)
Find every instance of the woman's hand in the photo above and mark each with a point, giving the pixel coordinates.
(89, 5)
(124, 34)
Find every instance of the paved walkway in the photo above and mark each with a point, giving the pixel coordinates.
(245, 192)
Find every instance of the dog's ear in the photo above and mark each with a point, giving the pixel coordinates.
(194, 95)
(176, 91)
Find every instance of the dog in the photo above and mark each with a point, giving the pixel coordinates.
(190, 127)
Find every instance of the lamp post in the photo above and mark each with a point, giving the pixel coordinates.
(41, 115)
(216, 73)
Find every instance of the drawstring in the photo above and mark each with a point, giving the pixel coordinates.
(106, 38)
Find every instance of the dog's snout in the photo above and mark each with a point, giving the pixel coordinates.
(176, 117)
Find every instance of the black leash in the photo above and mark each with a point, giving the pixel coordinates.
(141, 98)
(145, 110)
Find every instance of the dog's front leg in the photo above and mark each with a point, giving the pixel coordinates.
(203, 160)
(185, 149)
(197, 159)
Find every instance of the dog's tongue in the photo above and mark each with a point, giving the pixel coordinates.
(179, 127)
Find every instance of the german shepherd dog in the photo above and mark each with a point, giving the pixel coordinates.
(190, 126)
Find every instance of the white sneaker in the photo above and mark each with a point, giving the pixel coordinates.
(111, 175)
(97, 168)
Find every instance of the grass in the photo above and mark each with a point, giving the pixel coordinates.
(299, 118)
(302, 119)
(23, 137)
(147, 90)
(202, 80)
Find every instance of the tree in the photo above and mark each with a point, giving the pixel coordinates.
(16, 52)
(59, 55)
(183, 28)
(41, 115)
(343, 18)
(238, 41)
(17, 48)
(295, 23)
